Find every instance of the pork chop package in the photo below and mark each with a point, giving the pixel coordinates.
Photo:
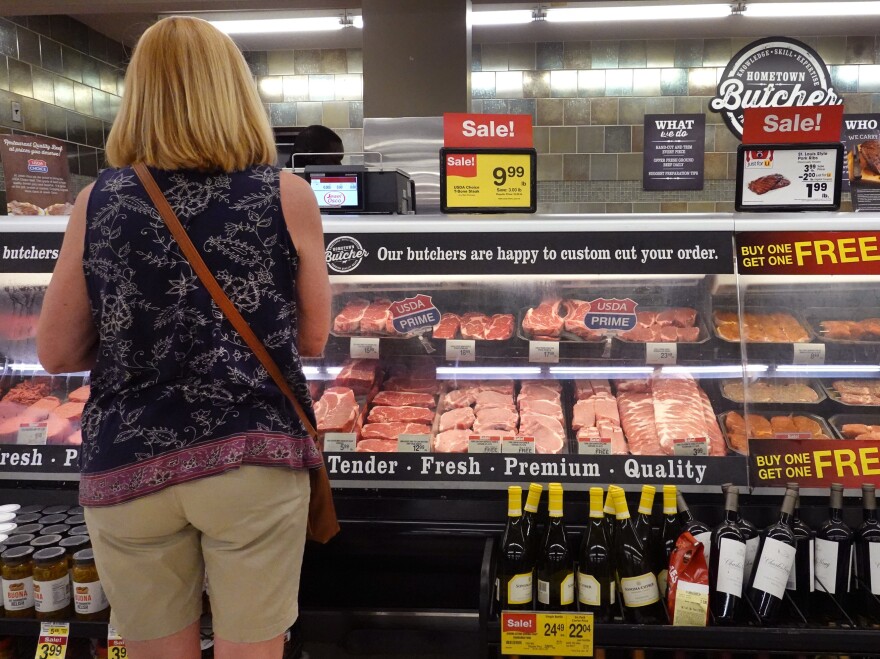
(688, 582)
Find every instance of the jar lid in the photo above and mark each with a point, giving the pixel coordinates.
(27, 518)
(79, 530)
(7, 517)
(75, 520)
(8, 527)
(31, 509)
(49, 555)
(55, 528)
(29, 528)
(20, 539)
(84, 556)
(3, 537)
(17, 555)
(74, 542)
(9, 508)
(55, 510)
(53, 519)
(76, 510)
(46, 540)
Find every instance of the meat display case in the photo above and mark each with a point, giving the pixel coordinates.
(657, 339)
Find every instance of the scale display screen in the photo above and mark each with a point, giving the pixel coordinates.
(338, 191)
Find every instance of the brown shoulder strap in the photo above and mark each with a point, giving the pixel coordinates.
(220, 298)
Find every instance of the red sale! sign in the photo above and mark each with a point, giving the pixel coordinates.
(487, 131)
(792, 125)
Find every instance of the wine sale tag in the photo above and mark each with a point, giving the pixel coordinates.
(691, 604)
(53, 640)
(547, 634)
(115, 644)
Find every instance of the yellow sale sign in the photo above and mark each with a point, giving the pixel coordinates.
(495, 180)
(547, 634)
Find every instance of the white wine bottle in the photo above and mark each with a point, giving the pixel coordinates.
(530, 516)
(555, 566)
(595, 575)
(669, 531)
(516, 562)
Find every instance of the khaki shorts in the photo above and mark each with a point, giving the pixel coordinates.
(245, 527)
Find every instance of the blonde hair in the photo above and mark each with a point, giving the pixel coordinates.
(190, 102)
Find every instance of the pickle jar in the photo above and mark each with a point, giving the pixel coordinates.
(82, 529)
(75, 520)
(17, 569)
(30, 528)
(74, 543)
(89, 600)
(60, 529)
(31, 509)
(47, 520)
(27, 518)
(51, 584)
(43, 541)
(19, 539)
(56, 510)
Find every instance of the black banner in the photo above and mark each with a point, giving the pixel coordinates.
(675, 150)
(29, 251)
(51, 460)
(530, 253)
(430, 469)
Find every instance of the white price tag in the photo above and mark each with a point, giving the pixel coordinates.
(594, 446)
(691, 446)
(340, 442)
(809, 354)
(483, 444)
(544, 352)
(521, 445)
(363, 347)
(792, 435)
(414, 444)
(53, 640)
(661, 353)
(461, 350)
(115, 644)
(33, 434)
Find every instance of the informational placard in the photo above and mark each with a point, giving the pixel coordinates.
(36, 175)
(461, 350)
(364, 347)
(808, 252)
(547, 634)
(488, 180)
(860, 130)
(691, 446)
(518, 445)
(484, 444)
(52, 641)
(544, 352)
(813, 462)
(487, 131)
(658, 354)
(594, 445)
(33, 434)
(809, 354)
(414, 443)
(340, 442)
(788, 177)
(675, 151)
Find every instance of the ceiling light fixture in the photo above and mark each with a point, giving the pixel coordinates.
(811, 9)
(280, 25)
(638, 13)
(504, 17)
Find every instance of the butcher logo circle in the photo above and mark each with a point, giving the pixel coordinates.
(344, 254)
(772, 73)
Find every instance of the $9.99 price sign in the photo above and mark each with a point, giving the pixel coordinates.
(488, 180)
(52, 643)
(547, 634)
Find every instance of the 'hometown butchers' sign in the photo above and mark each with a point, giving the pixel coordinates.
(772, 73)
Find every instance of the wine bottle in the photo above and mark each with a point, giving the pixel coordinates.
(695, 527)
(750, 535)
(637, 581)
(834, 546)
(642, 521)
(801, 579)
(610, 513)
(669, 531)
(727, 563)
(516, 563)
(775, 560)
(530, 516)
(554, 568)
(867, 541)
(595, 574)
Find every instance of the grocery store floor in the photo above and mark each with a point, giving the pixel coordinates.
(327, 651)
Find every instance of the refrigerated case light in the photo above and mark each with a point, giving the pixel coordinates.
(489, 371)
(827, 368)
(811, 9)
(716, 371)
(281, 25)
(637, 12)
(596, 371)
(505, 17)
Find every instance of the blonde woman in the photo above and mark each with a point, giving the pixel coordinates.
(193, 461)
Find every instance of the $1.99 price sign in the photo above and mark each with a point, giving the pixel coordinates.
(488, 180)
(547, 634)
(52, 643)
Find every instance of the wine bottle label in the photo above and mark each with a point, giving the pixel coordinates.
(544, 592)
(792, 577)
(731, 563)
(519, 589)
(52, 595)
(826, 565)
(589, 590)
(773, 566)
(662, 577)
(613, 591)
(639, 591)
(751, 553)
(18, 594)
(566, 590)
(497, 589)
(874, 566)
(812, 565)
(706, 539)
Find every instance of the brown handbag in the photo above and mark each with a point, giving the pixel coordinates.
(322, 522)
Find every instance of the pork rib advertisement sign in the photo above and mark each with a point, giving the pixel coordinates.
(36, 175)
(675, 150)
(773, 72)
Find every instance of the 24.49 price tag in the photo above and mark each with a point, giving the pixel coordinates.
(547, 634)
(52, 643)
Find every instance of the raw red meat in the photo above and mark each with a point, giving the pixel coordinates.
(458, 398)
(544, 320)
(574, 320)
(489, 399)
(548, 432)
(495, 418)
(448, 326)
(80, 395)
(538, 406)
(615, 434)
(75, 438)
(359, 375)
(40, 410)
(501, 327)
(392, 430)
(460, 417)
(348, 321)
(678, 316)
(404, 399)
(716, 439)
(589, 388)
(402, 383)
(501, 386)
(639, 334)
(668, 334)
(584, 413)
(452, 441)
(376, 316)
(646, 318)
(637, 418)
(532, 391)
(71, 412)
(59, 430)
(28, 392)
(678, 411)
(377, 446)
(337, 410)
(634, 386)
(387, 414)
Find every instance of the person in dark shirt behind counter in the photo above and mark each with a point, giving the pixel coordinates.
(316, 145)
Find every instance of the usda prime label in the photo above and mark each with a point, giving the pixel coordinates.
(611, 315)
(414, 314)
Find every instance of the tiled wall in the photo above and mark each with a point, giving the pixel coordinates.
(68, 79)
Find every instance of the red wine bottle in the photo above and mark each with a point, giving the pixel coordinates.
(695, 527)
(801, 581)
(774, 563)
(867, 541)
(727, 563)
(834, 547)
(595, 575)
(555, 565)
(516, 562)
(750, 535)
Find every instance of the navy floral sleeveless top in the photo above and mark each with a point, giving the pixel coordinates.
(176, 394)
